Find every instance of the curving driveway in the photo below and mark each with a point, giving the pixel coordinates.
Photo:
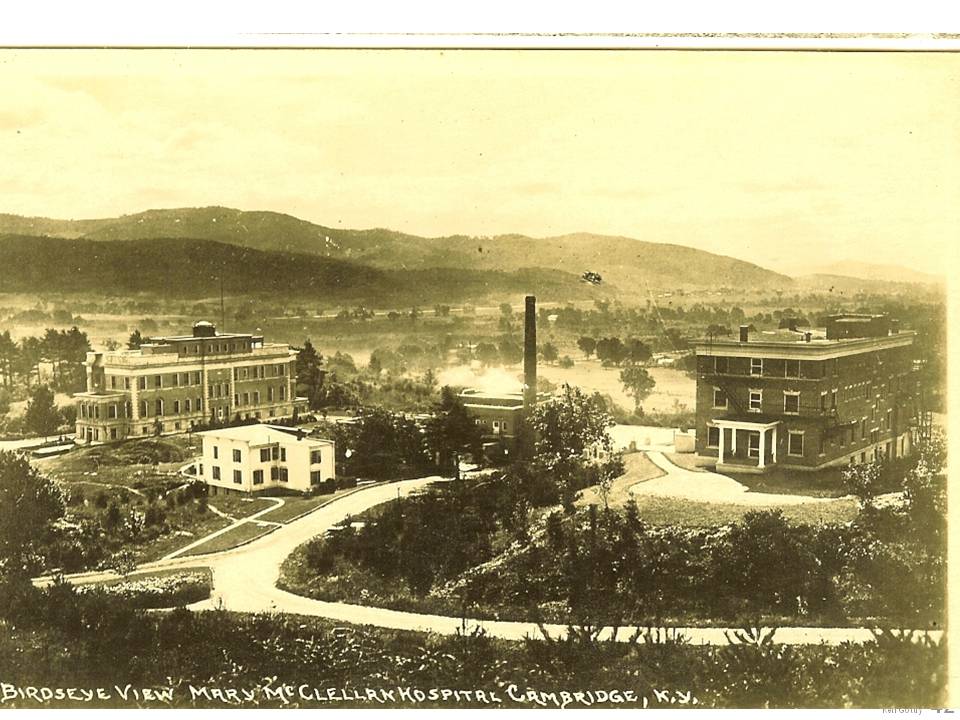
(244, 580)
(706, 486)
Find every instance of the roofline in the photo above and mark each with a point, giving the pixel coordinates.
(780, 350)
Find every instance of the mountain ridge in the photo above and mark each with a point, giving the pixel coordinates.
(623, 261)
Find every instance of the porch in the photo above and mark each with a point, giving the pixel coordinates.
(746, 445)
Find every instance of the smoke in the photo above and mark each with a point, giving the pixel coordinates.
(490, 380)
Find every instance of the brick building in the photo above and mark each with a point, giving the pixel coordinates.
(171, 384)
(807, 399)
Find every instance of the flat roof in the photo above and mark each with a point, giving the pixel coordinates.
(776, 345)
(260, 434)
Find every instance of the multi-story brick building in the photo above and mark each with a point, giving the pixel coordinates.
(171, 384)
(807, 400)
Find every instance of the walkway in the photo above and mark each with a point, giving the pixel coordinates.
(235, 524)
(244, 580)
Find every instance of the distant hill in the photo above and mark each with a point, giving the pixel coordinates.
(842, 285)
(186, 267)
(631, 265)
(878, 272)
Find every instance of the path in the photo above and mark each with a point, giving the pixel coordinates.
(244, 580)
(711, 487)
(8, 445)
(232, 526)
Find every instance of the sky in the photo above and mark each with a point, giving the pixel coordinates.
(790, 160)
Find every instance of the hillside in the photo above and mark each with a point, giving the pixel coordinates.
(845, 286)
(879, 273)
(186, 267)
(632, 265)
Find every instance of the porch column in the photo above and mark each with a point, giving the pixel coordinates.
(723, 432)
(774, 444)
(733, 440)
(763, 447)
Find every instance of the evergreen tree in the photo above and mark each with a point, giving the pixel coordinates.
(42, 416)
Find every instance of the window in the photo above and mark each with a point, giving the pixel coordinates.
(256, 397)
(753, 444)
(821, 449)
(246, 398)
(113, 382)
(113, 433)
(236, 399)
(196, 378)
(186, 405)
(258, 477)
(756, 366)
(833, 400)
(216, 452)
(275, 452)
(270, 394)
(792, 368)
(158, 381)
(756, 400)
(112, 411)
(823, 401)
(795, 443)
(719, 398)
(236, 456)
(126, 383)
(238, 476)
(720, 365)
(216, 471)
(264, 454)
(283, 474)
(791, 403)
(315, 477)
(159, 405)
(199, 405)
(142, 382)
(143, 408)
(274, 473)
(283, 454)
(863, 429)
(176, 407)
(316, 457)
(283, 392)
(713, 436)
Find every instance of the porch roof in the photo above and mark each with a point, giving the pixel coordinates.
(756, 423)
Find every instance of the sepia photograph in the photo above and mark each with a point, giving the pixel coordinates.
(475, 377)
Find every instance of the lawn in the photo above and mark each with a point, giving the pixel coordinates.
(674, 511)
(638, 468)
(239, 535)
(295, 506)
(819, 483)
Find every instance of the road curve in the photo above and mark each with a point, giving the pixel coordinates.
(245, 579)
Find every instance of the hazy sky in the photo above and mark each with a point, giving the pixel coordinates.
(785, 159)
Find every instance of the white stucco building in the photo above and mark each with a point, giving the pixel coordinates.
(254, 458)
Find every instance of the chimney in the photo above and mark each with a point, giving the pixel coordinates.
(300, 434)
(530, 353)
(807, 336)
(744, 333)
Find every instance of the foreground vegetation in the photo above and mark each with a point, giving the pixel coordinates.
(498, 548)
(59, 638)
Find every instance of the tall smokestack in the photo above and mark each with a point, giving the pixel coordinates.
(530, 353)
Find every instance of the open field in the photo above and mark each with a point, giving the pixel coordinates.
(672, 386)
